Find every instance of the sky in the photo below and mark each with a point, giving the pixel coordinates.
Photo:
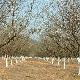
(38, 15)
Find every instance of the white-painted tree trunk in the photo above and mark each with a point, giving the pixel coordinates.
(12, 57)
(11, 62)
(47, 58)
(9, 58)
(2, 57)
(6, 62)
(68, 60)
(43, 58)
(64, 63)
(16, 61)
(78, 59)
(52, 60)
(58, 60)
(22, 58)
(79, 71)
(5, 57)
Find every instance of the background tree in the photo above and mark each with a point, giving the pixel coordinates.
(64, 29)
(13, 25)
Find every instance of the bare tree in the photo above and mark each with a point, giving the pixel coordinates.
(13, 25)
(64, 29)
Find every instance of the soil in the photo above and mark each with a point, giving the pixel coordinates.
(33, 69)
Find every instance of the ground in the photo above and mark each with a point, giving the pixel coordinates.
(33, 69)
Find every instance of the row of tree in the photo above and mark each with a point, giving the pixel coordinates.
(63, 35)
(60, 32)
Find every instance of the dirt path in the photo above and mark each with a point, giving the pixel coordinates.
(37, 70)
